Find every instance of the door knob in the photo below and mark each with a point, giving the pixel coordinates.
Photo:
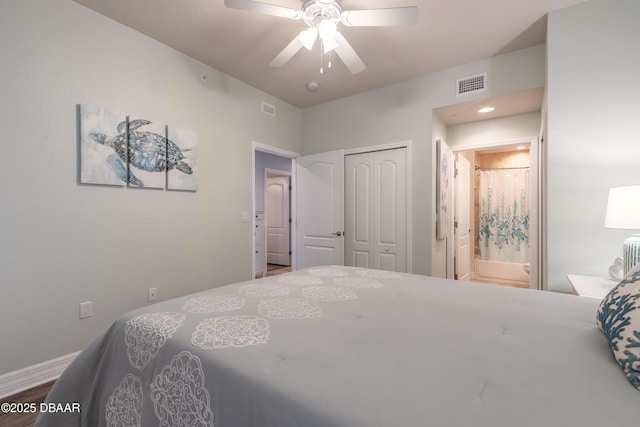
(338, 233)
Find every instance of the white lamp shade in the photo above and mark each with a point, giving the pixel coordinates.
(623, 208)
(327, 32)
(308, 37)
(329, 44)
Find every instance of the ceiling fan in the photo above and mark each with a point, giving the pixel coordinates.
(322, 17)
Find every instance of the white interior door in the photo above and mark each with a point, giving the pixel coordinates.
(463, 219)
(277, 213)
(320, 209)
(376, 210)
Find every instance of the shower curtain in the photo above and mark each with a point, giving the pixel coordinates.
(504, 215)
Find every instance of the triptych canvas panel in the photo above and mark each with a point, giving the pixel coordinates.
(116, 149)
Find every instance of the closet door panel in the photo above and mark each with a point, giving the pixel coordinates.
(390, 217)
(376, 210)
(387, 201)
(358, 215)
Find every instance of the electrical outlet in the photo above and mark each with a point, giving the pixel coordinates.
(86, 310)
(153, 294)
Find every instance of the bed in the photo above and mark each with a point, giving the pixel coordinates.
(348, 347)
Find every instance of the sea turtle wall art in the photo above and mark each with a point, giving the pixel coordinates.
(135, 151)
(94, 166)
(178, 178)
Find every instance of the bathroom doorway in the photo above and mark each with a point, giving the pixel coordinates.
(496, 206)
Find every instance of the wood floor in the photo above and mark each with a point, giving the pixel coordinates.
(274, 269)
(511, 285)
(35, 395)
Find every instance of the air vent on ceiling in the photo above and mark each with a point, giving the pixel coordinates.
(268, 109)
(471, 84)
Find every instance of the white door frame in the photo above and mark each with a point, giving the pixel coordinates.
(537, 247)
(256, 146)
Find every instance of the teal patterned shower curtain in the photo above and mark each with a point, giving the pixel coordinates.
(504, 215)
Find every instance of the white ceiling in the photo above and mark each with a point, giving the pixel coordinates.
(505, 105)
(242, 44)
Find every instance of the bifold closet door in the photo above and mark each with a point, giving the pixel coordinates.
(376, 210)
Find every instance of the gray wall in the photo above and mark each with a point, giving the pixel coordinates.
(438, 247)
(65, 243)
(593, 131)
(403, 112)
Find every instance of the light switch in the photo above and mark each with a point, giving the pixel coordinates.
(86, 310)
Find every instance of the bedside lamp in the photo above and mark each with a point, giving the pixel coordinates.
(623, 211)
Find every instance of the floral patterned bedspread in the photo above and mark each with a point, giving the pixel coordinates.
(340, 346)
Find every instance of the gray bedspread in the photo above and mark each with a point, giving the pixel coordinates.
(346, 347)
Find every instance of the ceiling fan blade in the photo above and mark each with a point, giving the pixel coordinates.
(381, 17)
(287, 53)
(264, 8)
(348, 55)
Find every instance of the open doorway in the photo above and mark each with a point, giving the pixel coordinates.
(272, 210)
(495, 195)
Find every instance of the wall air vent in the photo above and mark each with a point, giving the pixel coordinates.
(471, 84)
(268, 109)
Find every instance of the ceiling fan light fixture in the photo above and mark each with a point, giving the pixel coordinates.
(329, 44)
(327, 30)
(322, 18)
(308, 37)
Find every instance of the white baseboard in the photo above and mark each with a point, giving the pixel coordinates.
(32, 376)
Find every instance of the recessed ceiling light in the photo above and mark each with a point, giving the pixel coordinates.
(486, 110)
(520, 147)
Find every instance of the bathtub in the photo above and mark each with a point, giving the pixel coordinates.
(502, 272)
